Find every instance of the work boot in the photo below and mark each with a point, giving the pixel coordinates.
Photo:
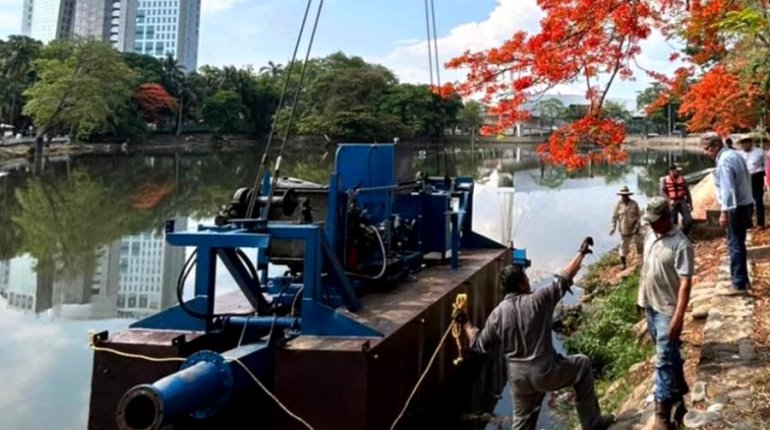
(622, 263)
(604, 422)
(662, 416)
(679, 412)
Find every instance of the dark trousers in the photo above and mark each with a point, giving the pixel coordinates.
(758, 192)
(738, 222)
(680, 207)
(531, 380)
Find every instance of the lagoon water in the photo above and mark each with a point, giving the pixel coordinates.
(81, 247)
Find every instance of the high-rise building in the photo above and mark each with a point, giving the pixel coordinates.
(165, 27)
(46, 20)
(92, 18)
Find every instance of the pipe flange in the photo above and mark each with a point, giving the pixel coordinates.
(151, 415)
(227, 380)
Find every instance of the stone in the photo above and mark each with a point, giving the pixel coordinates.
(698, 393)
(698, 419)
(746, 351)
(635, 367)
(716, 407)
(739, 394)
(701, 312)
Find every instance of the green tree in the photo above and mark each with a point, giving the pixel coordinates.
(222, 111)
(146, 69)
(551, 110)
(17, 55)
(659, 117)
(471, 116)
(81, 93)
(616, 111)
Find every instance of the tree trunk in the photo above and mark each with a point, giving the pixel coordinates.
(180, 116)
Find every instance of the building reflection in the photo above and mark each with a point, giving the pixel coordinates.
(132, 277)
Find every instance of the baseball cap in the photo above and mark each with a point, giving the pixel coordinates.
(656, 207)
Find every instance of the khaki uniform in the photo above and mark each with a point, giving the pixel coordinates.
(626, 219)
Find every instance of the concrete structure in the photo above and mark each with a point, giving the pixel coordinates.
(46, 20)
(167, 27)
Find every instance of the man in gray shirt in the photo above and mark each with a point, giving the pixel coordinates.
(521, 324)
(664, 293)
(733, 189)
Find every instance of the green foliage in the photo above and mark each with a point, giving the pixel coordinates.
(471, 115)
(222, 111)
(146, 69)
(551, 110)
(80, 93)
(616, 111)
(606, 335)
(16, 75)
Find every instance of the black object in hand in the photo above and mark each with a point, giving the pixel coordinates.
(459, 316)
(585, 247)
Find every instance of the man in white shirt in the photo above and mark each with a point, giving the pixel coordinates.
(755, 161)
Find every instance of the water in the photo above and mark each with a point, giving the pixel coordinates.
(81, 247)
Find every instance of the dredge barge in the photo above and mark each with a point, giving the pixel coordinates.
(372, 264)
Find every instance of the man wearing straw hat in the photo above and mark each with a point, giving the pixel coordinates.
(626, 219)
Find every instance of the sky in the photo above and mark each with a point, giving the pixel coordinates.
(392, 33)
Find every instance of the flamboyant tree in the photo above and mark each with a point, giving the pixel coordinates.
(722, 85)
(155, 102)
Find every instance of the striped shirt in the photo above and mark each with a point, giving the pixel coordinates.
(732, 180)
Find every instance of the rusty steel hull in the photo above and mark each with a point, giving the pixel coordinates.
(344, 383)
(362, 384)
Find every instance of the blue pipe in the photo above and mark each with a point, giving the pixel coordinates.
(204, 383)
(263, 323)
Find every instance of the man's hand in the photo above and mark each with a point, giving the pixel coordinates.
(585, 247)
(460, 315)
(723, 219)
(675, 329)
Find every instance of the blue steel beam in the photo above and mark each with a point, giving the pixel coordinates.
(248, 285)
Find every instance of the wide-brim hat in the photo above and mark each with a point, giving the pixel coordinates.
(624, 191)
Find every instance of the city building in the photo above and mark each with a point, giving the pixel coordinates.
(164, 27)
(5, 274)
(93, 18)
(46, 20)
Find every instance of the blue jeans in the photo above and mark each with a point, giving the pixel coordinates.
(738, 221)
(670, 386)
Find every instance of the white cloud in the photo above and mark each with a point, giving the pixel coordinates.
(409, 59)
(214, 6)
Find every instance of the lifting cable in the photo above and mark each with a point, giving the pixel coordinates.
(430, 28)
(284, 91)
(292, 113)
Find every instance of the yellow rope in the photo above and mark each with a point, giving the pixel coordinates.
(272, 396)
(457, 330)
(460, 302)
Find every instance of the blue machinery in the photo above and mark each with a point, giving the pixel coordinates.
(380, 225)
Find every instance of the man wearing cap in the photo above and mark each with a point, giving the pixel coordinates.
(664, 293)
(733, 191)
(522, 326)
(625, 218)
(673, 187)
(755, 162)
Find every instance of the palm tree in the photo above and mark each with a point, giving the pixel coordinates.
(174, 81)
(272, 69)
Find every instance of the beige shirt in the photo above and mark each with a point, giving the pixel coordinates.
(626, 218)
(666, 259)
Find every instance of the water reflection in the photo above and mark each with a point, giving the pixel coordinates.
(82, 241)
